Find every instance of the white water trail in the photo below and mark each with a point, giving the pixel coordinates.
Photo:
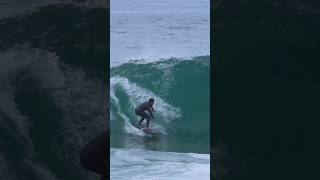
(145, 164)
(138, 95)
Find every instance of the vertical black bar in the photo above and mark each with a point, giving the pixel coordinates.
(266, 88)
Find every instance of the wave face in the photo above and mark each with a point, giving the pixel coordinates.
(180, 88)
(52, 91)
(157, 165)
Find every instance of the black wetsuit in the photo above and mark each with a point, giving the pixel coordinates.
(140, 112)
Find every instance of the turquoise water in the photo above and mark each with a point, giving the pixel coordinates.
(160, 49)
(180, 88)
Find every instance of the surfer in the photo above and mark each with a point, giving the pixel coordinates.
(140, 111)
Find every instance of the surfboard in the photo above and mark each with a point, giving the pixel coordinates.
(147, 130)
(136, 126)
(151, 131)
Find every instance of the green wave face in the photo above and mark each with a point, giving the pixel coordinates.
(181, 88)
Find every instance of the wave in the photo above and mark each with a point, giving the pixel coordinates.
(146, 164)
(37, 84)
(71, 39)
(20, 8)
(53, 91)
(180, 88)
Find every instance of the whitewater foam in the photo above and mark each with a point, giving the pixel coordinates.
(145, 164)
(81, 99)
(138, 95)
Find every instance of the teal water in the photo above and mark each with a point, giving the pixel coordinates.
(180, 88)
(160, 49)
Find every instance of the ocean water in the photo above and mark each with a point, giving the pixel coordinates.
(152, 30)
(160, 49)
(53, 88)
(144, 164)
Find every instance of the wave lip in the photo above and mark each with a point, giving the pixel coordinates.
(144, 164)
